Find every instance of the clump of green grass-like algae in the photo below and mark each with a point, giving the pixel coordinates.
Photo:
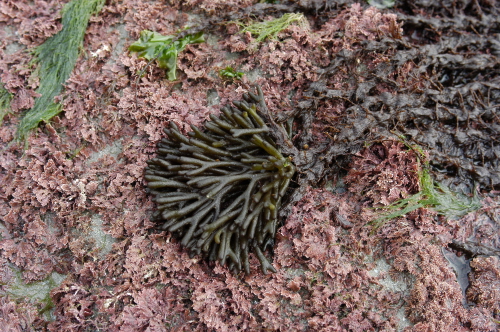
(432, 195)
(5, 99)
(56, 58)
(270, 29)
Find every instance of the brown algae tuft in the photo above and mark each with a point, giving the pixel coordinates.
(220, 189)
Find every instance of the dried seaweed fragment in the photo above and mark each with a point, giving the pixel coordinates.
(220, 189)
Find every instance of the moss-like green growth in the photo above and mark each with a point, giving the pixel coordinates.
(36, 292)
(230, 74)
(433, 195)
(57, 57)
(164, 49)
(5, 99)
(270, 29)
(220, 189)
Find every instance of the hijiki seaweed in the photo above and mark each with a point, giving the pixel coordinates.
(219, 190)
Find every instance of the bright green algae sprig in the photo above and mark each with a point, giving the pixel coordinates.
(164, 49)
(219, 190)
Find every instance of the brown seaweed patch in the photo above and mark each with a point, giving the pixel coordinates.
(220, 190)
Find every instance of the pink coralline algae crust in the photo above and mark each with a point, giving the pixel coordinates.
(384, 173)
(412, 244)
(87, 163)
(484, 289)
(17, 316)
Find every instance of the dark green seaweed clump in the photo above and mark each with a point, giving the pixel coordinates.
(220, 189)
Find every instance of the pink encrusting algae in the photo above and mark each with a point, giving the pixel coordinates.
(74, 204)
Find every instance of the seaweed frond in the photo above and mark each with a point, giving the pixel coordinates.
(220, 189)
(230, 74)
(271, 29)
(57, 57)
(432, 195)
(164, 49)
(5, 99)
